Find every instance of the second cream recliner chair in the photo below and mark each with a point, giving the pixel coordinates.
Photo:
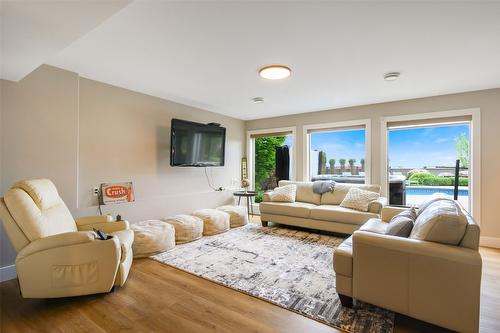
(58, 256)
(434, 282)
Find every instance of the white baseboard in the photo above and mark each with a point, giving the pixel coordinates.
(8, 273)
(490, 242)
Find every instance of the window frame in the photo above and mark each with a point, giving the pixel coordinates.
(271, 132)
(475, 150)
(306, 137)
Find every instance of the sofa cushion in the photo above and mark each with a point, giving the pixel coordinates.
(304, 191)
(340, 214)
(297, 209)
(284, 193)
(342, 258)
(341, 190)
(442, 221)
(401, 225)
(359, 199)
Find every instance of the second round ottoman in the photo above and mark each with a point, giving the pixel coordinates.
(214, 221)
(187, 227)
(152, 237)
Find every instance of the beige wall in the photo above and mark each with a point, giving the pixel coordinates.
(488, 101)
(80, 133)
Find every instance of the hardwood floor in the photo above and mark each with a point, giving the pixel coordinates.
(159, 298)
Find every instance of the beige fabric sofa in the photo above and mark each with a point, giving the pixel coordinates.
(56, 255)
(319, 211)
(433, 282)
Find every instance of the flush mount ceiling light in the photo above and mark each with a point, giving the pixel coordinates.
(258, 100)
(275, 72)
(392, 76)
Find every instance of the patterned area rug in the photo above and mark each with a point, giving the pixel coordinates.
(290, 268)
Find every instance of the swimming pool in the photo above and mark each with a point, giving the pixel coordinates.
(415, 190)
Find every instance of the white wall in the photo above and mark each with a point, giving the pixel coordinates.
(80, 133)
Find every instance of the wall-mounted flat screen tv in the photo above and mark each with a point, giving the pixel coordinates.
(196, 145)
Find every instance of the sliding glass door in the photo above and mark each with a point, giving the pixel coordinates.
(271, 158)
(422, 160)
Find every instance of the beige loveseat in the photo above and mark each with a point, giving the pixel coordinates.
(319, 211)
(430, 281)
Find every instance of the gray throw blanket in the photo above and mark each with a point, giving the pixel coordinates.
(323, 186)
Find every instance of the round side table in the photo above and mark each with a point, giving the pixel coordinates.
(248, 195)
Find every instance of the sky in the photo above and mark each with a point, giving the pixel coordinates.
(430, 146)
(408, 148)
(340, 144)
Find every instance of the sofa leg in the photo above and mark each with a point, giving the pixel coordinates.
(345, 300)
(264, 223)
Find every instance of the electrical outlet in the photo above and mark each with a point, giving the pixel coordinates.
(95, 191)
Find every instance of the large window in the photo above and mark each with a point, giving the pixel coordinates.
(338, 153)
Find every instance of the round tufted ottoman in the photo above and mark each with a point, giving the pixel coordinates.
(152, 237)
(214, 221)
(237, 214)
(187, 227)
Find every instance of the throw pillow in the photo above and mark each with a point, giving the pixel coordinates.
(284, 193)
(358, 199)
(442, 221)
(401, 225)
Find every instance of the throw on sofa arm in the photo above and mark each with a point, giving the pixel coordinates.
(376, 205)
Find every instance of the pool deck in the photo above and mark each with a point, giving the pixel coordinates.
(418, 199)
(461, 188)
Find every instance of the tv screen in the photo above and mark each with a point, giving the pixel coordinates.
(195, 144)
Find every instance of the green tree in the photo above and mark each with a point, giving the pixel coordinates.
(351, 164)
(342, 164)
(265, 159)
(322, 162)
(462, 146)
(362, 161)
(332, 165)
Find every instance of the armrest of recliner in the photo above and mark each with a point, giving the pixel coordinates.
(105, 224)
(426, 280)
(54, 241)
(84, 220)
(376, 205)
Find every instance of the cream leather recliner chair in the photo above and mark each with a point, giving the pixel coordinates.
(429, 281)
(56, 255)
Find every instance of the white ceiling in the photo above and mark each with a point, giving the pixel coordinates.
(207, 54)
(33, 31)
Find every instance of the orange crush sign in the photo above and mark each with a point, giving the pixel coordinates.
(117, 193)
